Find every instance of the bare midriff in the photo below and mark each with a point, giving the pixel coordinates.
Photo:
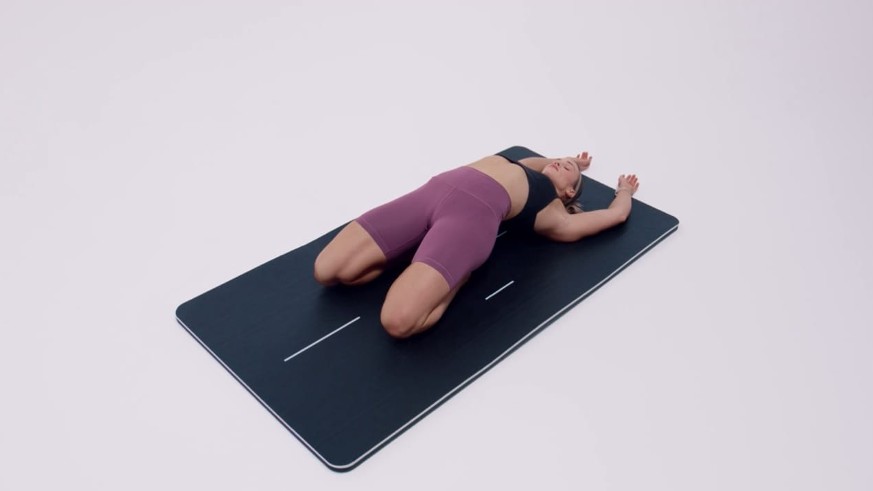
(511, 177)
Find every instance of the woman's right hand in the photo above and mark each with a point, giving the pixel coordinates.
(628, 183)
(582, 161)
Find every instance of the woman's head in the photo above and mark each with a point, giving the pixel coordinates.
(566, 178)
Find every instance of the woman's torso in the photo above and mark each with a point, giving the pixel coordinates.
(512, 177)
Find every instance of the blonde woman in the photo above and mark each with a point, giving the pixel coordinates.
(453, 221)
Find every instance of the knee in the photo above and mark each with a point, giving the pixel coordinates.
(330, 272)
(398, 322)
(325, 272)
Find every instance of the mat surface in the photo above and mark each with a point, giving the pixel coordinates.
(320, 362)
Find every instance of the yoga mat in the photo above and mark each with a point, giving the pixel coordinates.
(318, 359)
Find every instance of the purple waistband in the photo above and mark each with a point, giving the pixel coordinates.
(479, 185)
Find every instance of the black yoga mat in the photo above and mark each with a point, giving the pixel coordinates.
(318, 359)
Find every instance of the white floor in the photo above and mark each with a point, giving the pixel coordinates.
(152, 150)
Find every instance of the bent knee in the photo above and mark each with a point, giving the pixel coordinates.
(398, 323)
(324, 272)
(330, 273)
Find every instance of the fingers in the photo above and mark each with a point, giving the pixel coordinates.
(583, 161)
(629, 181)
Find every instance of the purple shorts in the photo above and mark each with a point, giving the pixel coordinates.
(455, 218)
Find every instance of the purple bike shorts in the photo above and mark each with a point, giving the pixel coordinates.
(454, 217)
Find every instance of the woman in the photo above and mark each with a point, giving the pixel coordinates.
(453, 219)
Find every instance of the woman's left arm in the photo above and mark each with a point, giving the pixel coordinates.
(561, 226)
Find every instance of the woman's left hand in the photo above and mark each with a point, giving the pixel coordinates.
(583, 161)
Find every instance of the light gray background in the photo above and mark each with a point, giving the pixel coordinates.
(152, 150)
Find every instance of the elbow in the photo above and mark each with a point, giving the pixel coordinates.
(564, 235)
(619, 216)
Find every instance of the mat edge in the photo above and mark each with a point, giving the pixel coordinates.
(330, 465)
(360, 459)
(507, 352)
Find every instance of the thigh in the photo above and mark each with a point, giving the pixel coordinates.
(459, 242)
(450, 251)
(351, 254)
(353, 244)
(400, 224)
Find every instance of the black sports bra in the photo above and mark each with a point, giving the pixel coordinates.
(541, 192)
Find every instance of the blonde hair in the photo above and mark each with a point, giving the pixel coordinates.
(572, 204)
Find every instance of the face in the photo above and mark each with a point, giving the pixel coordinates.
(564, 175)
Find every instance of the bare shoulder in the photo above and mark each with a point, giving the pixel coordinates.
(551, 220)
